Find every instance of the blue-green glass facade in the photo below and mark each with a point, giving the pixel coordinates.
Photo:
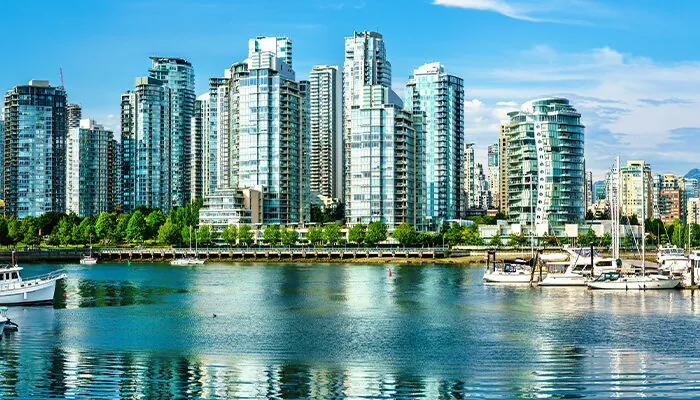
(545, 153)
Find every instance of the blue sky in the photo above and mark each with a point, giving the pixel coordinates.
(629, 66)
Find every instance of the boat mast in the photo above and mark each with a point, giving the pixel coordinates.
(616, 211)
(644, 259)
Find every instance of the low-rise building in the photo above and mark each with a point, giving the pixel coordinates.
(226, 207)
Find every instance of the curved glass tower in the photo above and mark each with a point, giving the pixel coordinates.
(545, 163)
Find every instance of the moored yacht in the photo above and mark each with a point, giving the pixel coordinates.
(672, 260)
(510, 271)
(187, 261)
(37, 290)
(577, 270)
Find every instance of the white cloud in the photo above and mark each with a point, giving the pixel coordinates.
(630, 105)
(579, 12)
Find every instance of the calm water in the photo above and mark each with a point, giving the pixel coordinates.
(337, 331)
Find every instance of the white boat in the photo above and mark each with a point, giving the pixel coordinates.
(15, 290)
(672, 260)
(512, 271)
(187, 261)
(577, 270)
(88, 260)
(636, 280)
(615, 281)
(9, 326)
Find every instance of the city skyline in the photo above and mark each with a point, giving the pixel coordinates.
(636, 92)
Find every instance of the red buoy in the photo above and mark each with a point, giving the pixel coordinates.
(64, 295)
(390, 272)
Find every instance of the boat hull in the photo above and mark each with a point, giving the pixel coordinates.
(563, 280)
(41, 293)
(509, 278)
(88, 262)
(635, 284)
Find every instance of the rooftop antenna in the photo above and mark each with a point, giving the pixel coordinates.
(63, 86)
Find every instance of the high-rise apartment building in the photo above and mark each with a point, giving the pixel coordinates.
(588, 189)
(503, 168)
(693, 210)
(657, 183)
(90, 153)
(494, 159)
(440, 96)
(545, 164)
(35, 149)
(482, 197)
(469, 179)
(198, 129)
(266, 124)
(636, 188)
(305, 153)
(178, 75)
(365, 65)
(599, 191)
(146, 117)
(385, 163)
(671, 199)
(2, 156)
(326, 131)
(75, 114)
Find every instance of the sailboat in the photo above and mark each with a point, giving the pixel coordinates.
(618, 281)
(187, 260)
(89, 259)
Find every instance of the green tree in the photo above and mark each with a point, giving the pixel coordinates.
(154, 220)
(205, 235)
(331, 233)
(564, 240)
(87, 231)
(229, 235)
(518, 239)
(314, 235)
(186, 235)
(136, 229)
(588, 239)
(606, 240)
(14, 231)
(627, 241)
(30, 231)
(376, 233)
(496, 240)
(453, 236)
(272, 235)
(471, 236)
(168, 233)
(119, 234)
(549, 240)
(106, 223)
(357, 234)
(245, 235)
(405, 234)
(289, 236)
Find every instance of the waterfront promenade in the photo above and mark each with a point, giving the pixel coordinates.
(459, 254)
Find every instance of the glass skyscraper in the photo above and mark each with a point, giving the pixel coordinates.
(326, 136)
(441, 97)
(545, 152)
(178, 75)
(146, 145)
(35, 149)
(89, 173)
(266, 128)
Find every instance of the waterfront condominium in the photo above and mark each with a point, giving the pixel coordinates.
(365, 65)
(178, 75)
(469, 179)
(199, 125)
(503, 169)
(2, 157)
(35, 149)
(493, 174)
(305, 153)
(215, 134)
(545, 163)
(145, 123)
(326, 131)
(631, 190)
(440, 96)
(265, 121)
(386, 162)
(90, 151)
